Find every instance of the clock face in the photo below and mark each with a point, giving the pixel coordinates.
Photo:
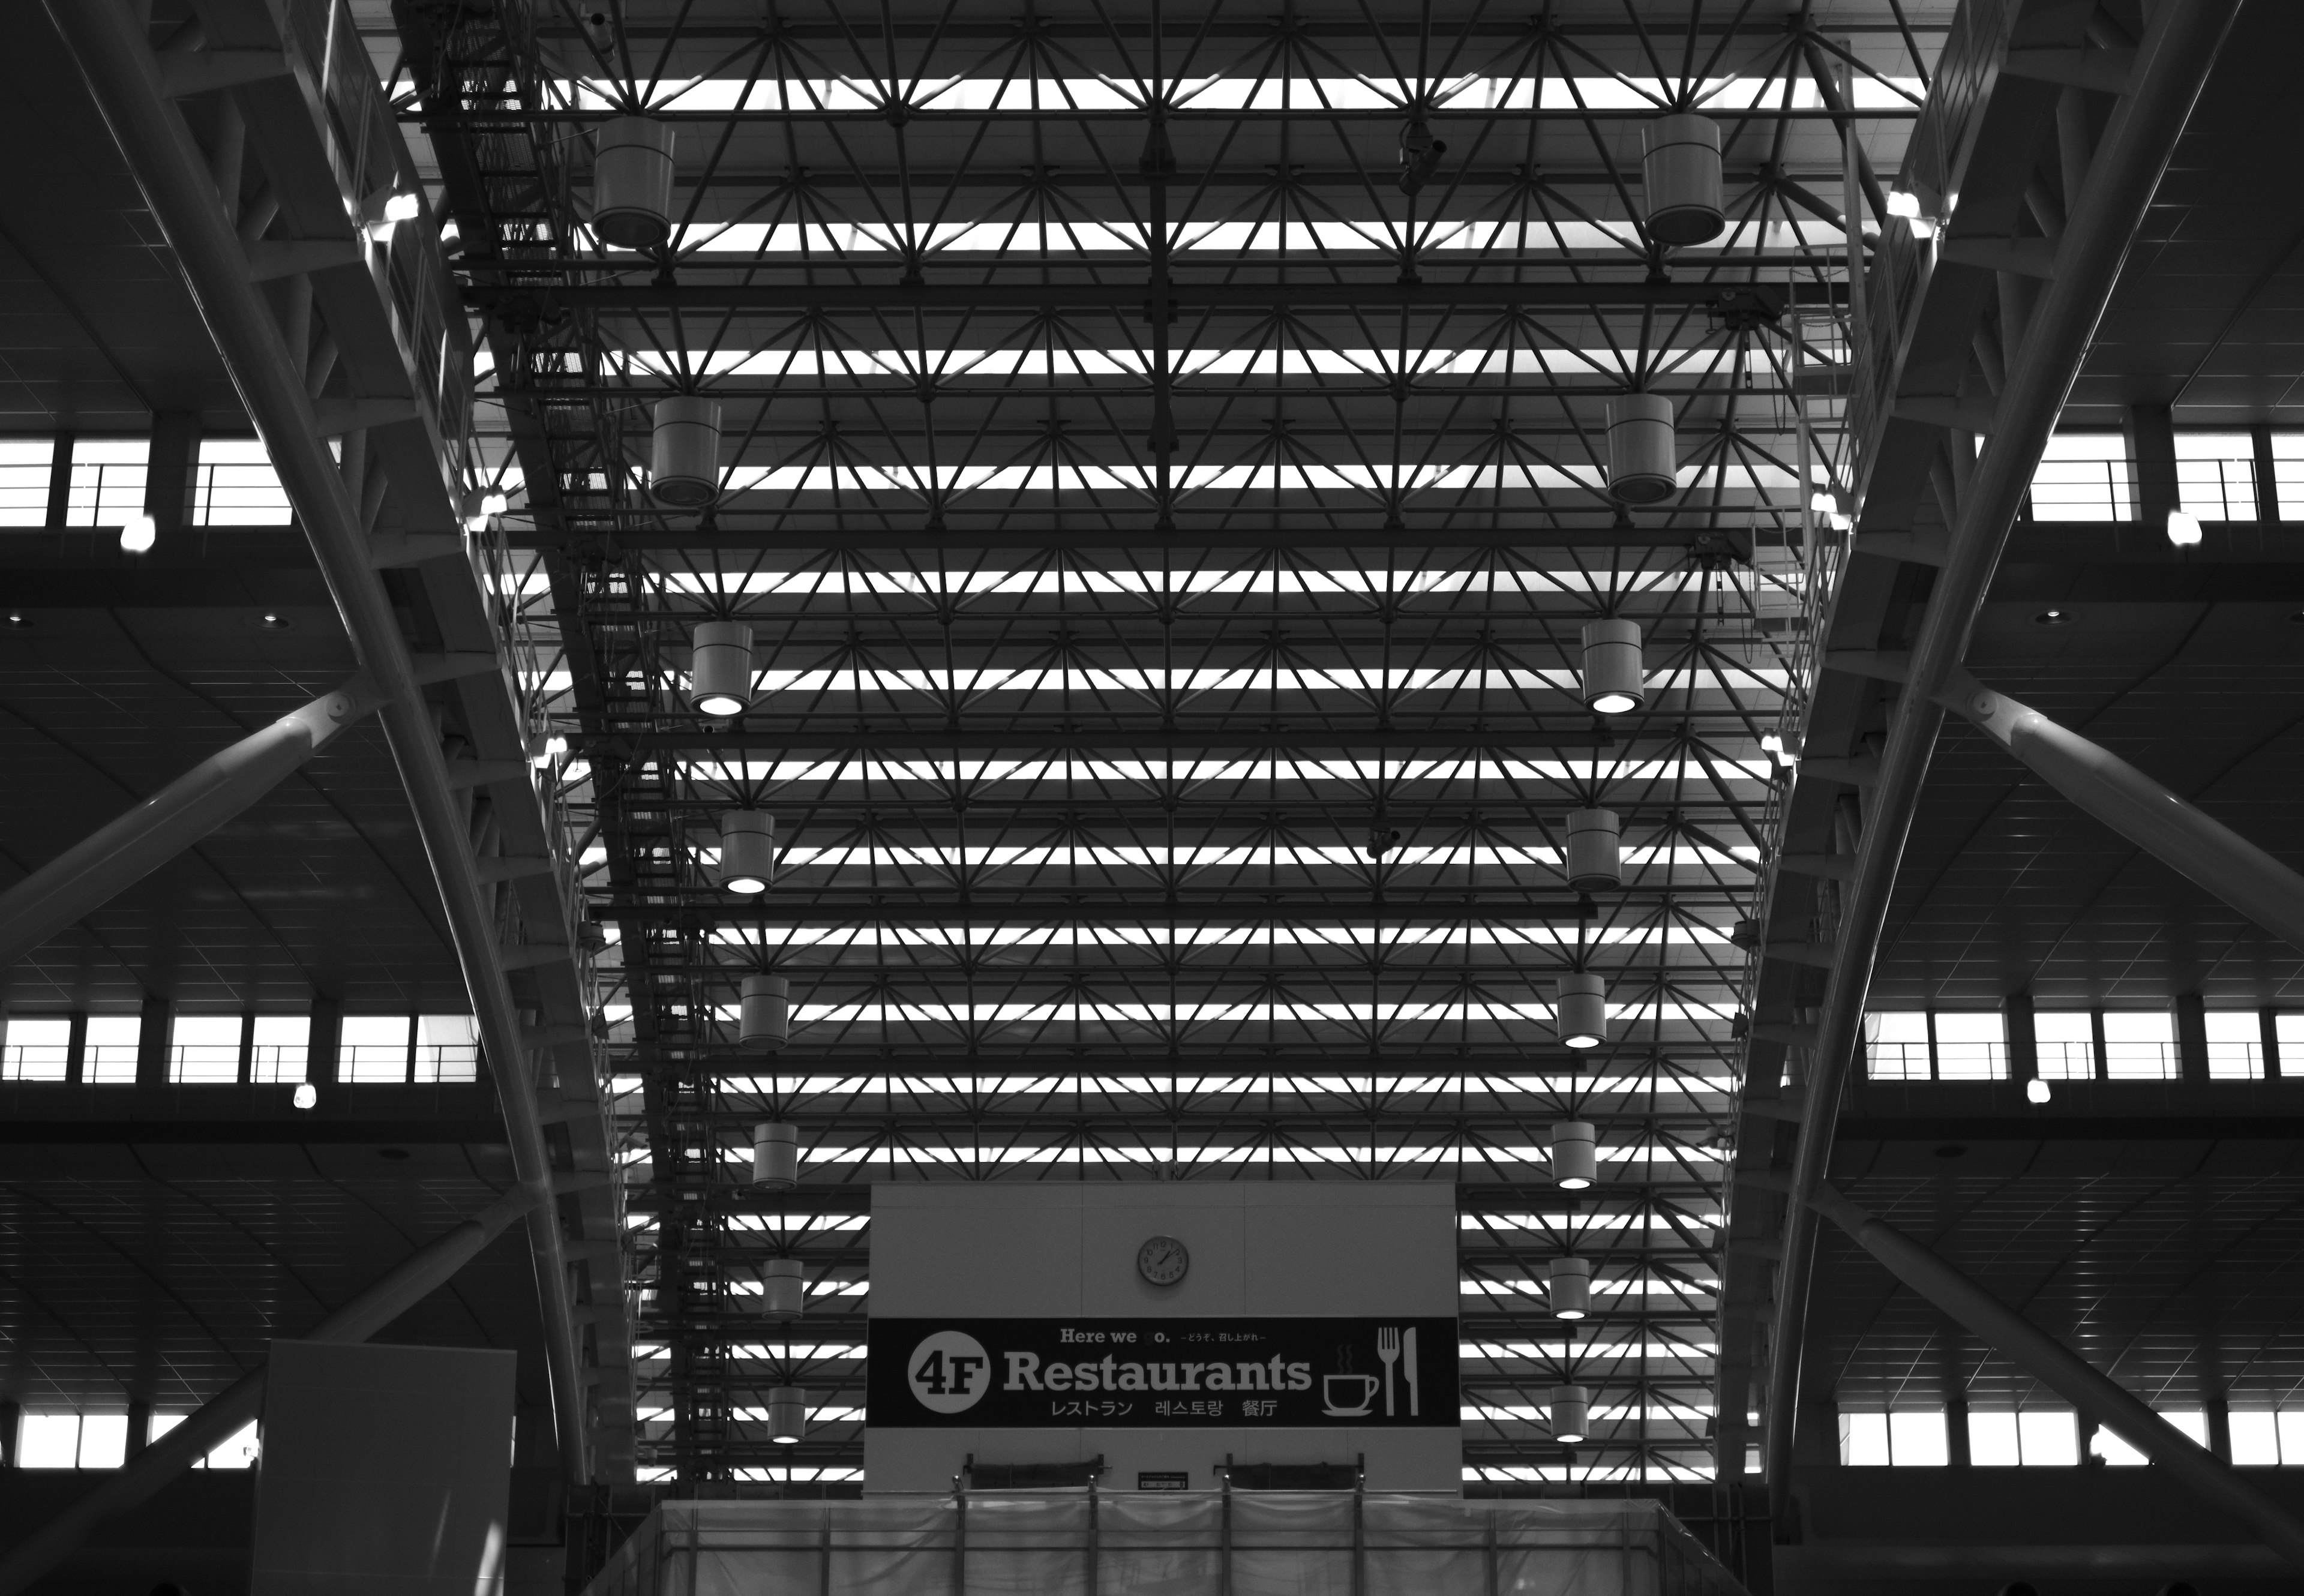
(1163, 1261)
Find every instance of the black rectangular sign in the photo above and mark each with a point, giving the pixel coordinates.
(1161, 1373)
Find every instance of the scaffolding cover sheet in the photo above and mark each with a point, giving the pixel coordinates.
(1262, 1543)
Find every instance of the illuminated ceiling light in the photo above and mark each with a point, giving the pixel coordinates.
(1642, 453)
(632, 183)
(685, 452)
(1575, 1155)
(1572, 1414)
(1681, 174)
(1594, 851)
(748, 847)
(720, 674)
(306, 1095)
(553, 746)
(783, 1287)
(2052, 617)
(764, 1012)
(1570, 1287)
(775, 1155)
(452, 236)
(403, 208)
(2183, 529)
(140, 534)
(18, 618)
(1580, 1010)
(1614, 676)
(1904, 203)
(787, 1413)
(2035, 1091)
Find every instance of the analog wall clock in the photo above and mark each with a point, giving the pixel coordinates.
(1163, 1261)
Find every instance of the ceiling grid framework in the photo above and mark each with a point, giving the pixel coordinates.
(1165, 497)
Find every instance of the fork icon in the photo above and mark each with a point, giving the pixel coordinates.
(1388, 1347)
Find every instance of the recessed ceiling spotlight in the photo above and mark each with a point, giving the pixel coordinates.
(2052, 617)
(18, 619)
(271, 620)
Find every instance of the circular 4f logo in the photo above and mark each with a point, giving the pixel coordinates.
(948, 1371)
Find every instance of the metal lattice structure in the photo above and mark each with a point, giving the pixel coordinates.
(1165, 537)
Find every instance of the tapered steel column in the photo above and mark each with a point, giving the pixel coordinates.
(240, 1402)
(2204, 850)
(2062, 1371)
(115, 857)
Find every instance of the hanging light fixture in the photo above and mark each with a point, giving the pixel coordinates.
(775, 1155)
(1615, 679)
(1572, 1414)
(685, 452)
(787, 1413)
(783, 1289)
(1570, 1287)
(2183, 530)
(1595, 849)
(720, 674)
(764, 1014)
(1680, 172)
(748, 850)
(1643, 453)
(632, 182)
(1580, 1010)
(140, 533)
(1575, 1155)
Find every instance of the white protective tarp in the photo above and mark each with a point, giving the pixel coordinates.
(1261, 1544)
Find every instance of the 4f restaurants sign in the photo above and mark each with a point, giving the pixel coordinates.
(1281, 1373)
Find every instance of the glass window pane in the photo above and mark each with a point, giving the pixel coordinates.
(26, 463)
(236, 485)
(1897, 1046)
(203, 1050)
(2050, 1438)
(2141, 1045)
(35, 1049)
(103, 1440)
(374, 1049)
(447, 1048)
(2288, 474)
(2114, 1451)
(48, 1441)
(1991, 1441)
(2291, 1436)
(2235, 1046)
(2215, 475)
(2066, 1044)
(2083, 476)
(108, 480)
(110, 1056)
(2255, 1440)
(1864, 1440)
(282, 1045)
(1972, 1047)
(1916, 1438)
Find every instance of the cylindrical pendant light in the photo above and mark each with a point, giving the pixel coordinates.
(763, 1018)
(1614, 678)
(1595, 852)
(685, 452)
(1575, 1155)
(787, 1413)
(1682, 174)
(747, 849)
(783, 1289)
(1580, 1010)
(720, 674)
(775, 1155)
(1571, 1288)
(1572, 1414)
(632, 183)
(1643, 453)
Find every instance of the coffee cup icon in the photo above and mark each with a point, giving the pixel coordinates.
(1347, 1396)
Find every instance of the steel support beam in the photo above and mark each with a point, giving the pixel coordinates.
(242, 1401)
(113, 858)
(2062, 1371)
(2125, 169)
(2203, 850)
(111, 45)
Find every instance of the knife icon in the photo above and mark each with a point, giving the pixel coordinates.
(1407, 1367)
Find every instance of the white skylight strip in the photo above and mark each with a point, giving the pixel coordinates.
(1283, 582)
(1733, 474)
(1255, 1013)
(1600, 1288)
(1278, 933)
(1518, 238)
(905, 365)
(1756, 772)
(1290, 1085)
(1364, 1152)
(1339, 678)
(1243, 855)
(1469, 93)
